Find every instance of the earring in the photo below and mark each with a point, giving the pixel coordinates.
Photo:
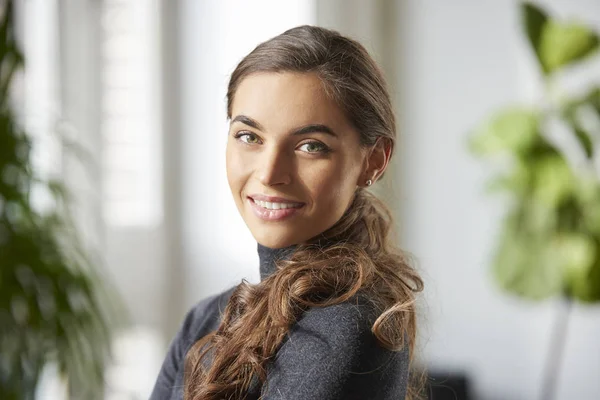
(369, 182)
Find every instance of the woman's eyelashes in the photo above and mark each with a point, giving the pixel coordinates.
(247, 137)
(310, 147)
(314, 147)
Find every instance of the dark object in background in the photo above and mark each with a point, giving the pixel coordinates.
(448, 386)
(55, 306)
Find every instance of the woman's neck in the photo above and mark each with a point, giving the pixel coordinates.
(268, 258)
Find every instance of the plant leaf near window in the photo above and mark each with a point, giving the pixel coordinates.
(549, 242)
(55, 305)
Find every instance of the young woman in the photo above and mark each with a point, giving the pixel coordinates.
(333, 317)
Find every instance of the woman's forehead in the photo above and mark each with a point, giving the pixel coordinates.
(278, 99)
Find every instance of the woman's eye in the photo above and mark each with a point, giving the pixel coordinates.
(247, 137)
(314, 147)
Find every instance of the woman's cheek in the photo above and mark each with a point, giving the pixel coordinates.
(238, 164)
(324, 189)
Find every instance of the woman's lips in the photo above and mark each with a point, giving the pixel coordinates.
(272, 214)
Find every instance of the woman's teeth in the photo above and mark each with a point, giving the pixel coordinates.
(276, 206)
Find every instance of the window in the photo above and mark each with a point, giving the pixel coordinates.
(132, 161)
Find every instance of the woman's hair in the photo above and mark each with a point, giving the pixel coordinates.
(354, 257)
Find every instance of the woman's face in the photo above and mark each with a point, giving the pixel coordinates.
(293, 159)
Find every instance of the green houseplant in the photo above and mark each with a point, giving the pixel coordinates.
(54, 304)
(549, 244)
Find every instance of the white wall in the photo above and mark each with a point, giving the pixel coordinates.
(458, 62)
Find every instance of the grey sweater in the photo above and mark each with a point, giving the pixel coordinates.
(330, 353)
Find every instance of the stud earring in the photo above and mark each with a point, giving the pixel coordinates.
(369, 182)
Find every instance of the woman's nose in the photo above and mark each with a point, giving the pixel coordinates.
(276, 168)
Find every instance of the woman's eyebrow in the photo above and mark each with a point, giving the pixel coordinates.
(247, 121)
(312, 128)
(315, 128)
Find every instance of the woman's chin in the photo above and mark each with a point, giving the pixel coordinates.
(275, 240)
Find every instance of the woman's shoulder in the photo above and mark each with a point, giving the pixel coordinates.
(201, 319)
(343, 325)
(331, 352)
(344, 328)
(204, 317)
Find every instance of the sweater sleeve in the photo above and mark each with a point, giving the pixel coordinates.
(169, 375)
(332, 354)
(199, 321)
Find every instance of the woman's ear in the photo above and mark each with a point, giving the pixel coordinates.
(378, 158)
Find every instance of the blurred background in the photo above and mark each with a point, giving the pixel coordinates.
(140, 84)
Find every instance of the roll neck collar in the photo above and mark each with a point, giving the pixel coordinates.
(268, 257)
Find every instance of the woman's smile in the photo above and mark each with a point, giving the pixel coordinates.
(270, 208)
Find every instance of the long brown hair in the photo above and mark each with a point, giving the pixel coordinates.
(356, 256)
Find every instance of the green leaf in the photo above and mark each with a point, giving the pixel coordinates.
(534, 19)
(550, 240)
(577, 253)
(591, 98)
(63, 307)
(569, 112)
(565, 43)
(513, 130)
(585, 140)
(516, 181)
(554, 181)
(523, 263)
(556, 44)
(580, 256)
